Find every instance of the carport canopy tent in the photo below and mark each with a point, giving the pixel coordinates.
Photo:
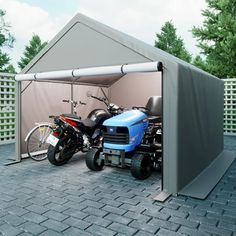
(194, 158)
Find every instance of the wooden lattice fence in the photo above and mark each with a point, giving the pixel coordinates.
(230, 107)
(7, 108)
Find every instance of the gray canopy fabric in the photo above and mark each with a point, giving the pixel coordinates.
(192, 99)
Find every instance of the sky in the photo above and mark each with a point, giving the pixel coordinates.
(139, 18)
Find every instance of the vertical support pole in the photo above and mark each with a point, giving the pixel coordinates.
(18, 121)
(72, 98)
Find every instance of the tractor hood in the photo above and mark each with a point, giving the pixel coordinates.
(127, 118)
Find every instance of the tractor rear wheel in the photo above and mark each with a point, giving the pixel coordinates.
(141, 166)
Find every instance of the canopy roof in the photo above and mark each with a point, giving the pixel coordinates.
(86, 43)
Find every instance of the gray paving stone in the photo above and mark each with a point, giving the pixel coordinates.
(16, 210)
(75, 213)
(91, 197)
(33, 228)
(37, 209)
(165, 232)
(164, 224)
(185, 222)
(122, 229)
(143, 233)
(114, 210)
(13, 219)
(144, 226)
(6, 197)
(55, 215)
(100, 231)
(56, 207)
(98, 220)
(139, 217)
(50, 233)
(91, 203)
(137, 209)
(118, 218)
(227, 226)
(72, 231)
(9, 230)
(3, 213)
(34, 217)
(73, 198)
(58, 200)
(130, 201)
(95, 212)
(192, 232)
(109, 202)
(192, 211)
(25, 234)
(205, 220)
(157, 214)
(55, 225)
(214, 230)
(81, 224)
(75, 205)
(174, 212)
(39, 201)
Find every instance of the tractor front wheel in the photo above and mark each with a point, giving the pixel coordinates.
(92, 159)
(141, 166)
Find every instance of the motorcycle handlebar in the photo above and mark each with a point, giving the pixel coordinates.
(82, 103)
(100, 99)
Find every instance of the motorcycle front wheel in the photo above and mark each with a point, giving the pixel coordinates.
(60, 154)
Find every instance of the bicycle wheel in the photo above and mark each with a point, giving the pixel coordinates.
(36, 144)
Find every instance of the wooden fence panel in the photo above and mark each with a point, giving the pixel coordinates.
(7, 108)
(230, 107)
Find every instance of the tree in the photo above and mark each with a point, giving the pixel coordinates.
(200, 63)
(6, 40)
(217, 37)
(168, 41)
(34, 47)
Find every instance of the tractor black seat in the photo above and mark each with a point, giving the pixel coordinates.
(154, 119)
(154, 106)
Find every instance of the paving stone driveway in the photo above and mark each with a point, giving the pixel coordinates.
(37, 198)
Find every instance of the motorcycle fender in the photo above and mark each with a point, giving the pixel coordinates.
(96, 133)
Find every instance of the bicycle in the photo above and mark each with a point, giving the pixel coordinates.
(36, 138)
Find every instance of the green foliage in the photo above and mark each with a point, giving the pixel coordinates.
(34, 47)
(6, 40)
(168, 41)
(200, 63)
(217, 37)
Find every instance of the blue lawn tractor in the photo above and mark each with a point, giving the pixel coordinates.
(132, 139)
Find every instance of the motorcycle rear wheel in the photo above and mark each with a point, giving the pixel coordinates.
(59, 155)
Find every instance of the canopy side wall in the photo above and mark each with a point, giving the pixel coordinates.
(200, 123)
(170, 127)
(134, 89)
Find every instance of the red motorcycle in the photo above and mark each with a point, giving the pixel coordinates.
(71, 134)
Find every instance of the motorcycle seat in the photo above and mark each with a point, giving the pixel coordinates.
(72, 116)
(88, 123)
